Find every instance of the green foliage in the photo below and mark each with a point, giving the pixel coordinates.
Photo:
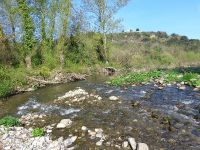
(27, 25)
(191, 79)
(38, 132)
(9, 121)
(10, 78)
(44, 72)
(135, 78)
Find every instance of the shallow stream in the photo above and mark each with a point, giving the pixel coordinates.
(164, 119)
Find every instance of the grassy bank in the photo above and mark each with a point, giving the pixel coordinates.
(165, 76)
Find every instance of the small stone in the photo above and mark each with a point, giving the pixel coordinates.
(99, 135)
(69, 141)
(125, 144)
(196, 89)
(113, 98)
(49, 131)
(7, 147)
(84, 128)
(142, 146)
(99, 143)
(108, 143)
(118, 147)
(132, 143)
(98, 130)
(64, 123)
(136, 104)
(182, 87)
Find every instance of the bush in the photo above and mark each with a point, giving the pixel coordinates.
(10, 78)
(9, 121)
(38, 132)
(44, 72)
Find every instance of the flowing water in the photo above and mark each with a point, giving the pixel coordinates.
(164, 119)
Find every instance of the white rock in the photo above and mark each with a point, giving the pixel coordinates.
(69, 141)
(98, 130)
(132, 143)
(84, 128)
(113, 98)
(64, 123)
(125, 144)
(99, 143)
(142, 146)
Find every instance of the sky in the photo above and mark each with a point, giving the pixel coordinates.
(172, 16)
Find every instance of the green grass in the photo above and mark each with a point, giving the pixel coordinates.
(9, 121)
(11, 78)
(169, 76)
(38, 132)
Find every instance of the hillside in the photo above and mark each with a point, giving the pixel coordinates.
(153, 50)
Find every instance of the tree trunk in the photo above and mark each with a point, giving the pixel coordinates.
(62, 59)
(28, 61)
(105, 46)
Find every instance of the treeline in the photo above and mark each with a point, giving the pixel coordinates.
(56, 32)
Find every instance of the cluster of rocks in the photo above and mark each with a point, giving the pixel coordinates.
(19, 138)
(29, 118)
(181, 86)
(98, 134)
(78, 95)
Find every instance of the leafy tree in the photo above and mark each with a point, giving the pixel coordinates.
(28, 31)
(103, 11)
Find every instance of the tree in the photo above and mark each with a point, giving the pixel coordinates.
(28, 31)
(10, 12)
(103, 11)
(64, 14)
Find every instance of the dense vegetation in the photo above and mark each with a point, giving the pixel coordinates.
(163, 76)
(38, 37)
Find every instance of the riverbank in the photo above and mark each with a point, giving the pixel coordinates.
(160, 78)
(16, 81)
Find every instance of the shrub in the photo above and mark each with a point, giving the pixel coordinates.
(9, 121)
(44, 72)
(37, 132)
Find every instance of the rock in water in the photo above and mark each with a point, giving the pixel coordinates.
(99, 143)
(132, 143)
(125, 144)
(69, 141)
(113, 98)
(64, 123)
(142, 146)
(84, 128)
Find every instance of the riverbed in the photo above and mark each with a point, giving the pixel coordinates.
(164, 119)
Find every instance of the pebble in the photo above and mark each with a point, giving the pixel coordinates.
(84, 128)
(125, 144)
(132, 143)
(113, 98)
(142, 146)
(64, 123)
(99, 143)
(21, 138)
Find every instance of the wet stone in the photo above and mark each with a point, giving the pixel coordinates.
(142, 146)
(132, 143)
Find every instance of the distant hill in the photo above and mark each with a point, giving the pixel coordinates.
(153, 50)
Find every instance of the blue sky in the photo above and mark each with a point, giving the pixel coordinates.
(173, 16)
